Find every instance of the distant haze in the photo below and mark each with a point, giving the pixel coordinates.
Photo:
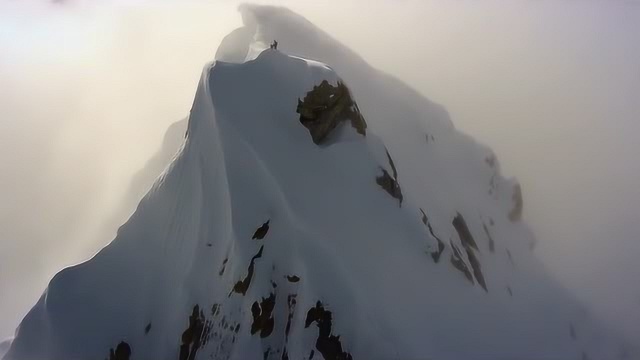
(87, 91)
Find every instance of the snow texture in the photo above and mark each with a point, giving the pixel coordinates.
(256, 242)
(4, 346)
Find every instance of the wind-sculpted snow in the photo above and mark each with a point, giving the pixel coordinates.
(284, 230)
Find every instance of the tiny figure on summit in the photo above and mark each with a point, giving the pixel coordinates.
(274, 45)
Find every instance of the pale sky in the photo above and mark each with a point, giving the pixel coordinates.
(88, 88)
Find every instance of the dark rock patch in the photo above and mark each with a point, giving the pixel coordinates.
(572, 332)
(509, 291)
(293, 278)
(195, 336)
(261, 232)
(263, 320)
(224, 266)
(327, 344)
(458, 263)
(392, 164)
(477, 270)
(390, 184)
(518, 203)
(435, 255)
(311, 354)
(492, 245)
(242, 286)
(215, 310)
(147, 328)
(463, 232)
(325, 107)
(425, 219)
(470, 246)
(291, 307)
(122, 352)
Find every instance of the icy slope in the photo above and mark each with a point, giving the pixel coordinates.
(285, 228)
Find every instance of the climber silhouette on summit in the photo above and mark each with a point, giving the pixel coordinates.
(274, 45)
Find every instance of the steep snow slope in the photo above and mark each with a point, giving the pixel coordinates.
(4, 347)
(286, 228)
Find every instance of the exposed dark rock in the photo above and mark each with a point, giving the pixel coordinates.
(516, 211)
(263, 316)
(293, 278)
(492, 245)
(122, 352)
(425, 219)
(458, 263)
(389, 183)
(327, 344)
(261, 232)
(215, 309)
(572, 332)
(325, 107)
(509, 290)
(470, 247)
(392, 164)
(242, 286)
(435, 255)
(224, 266)
(195, 336)
(311, 354)
(463, 232)
(477, 270)
(147, 328)
(291, 305)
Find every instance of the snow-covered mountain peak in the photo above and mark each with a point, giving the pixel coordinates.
(270, 83)
(309, 214)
